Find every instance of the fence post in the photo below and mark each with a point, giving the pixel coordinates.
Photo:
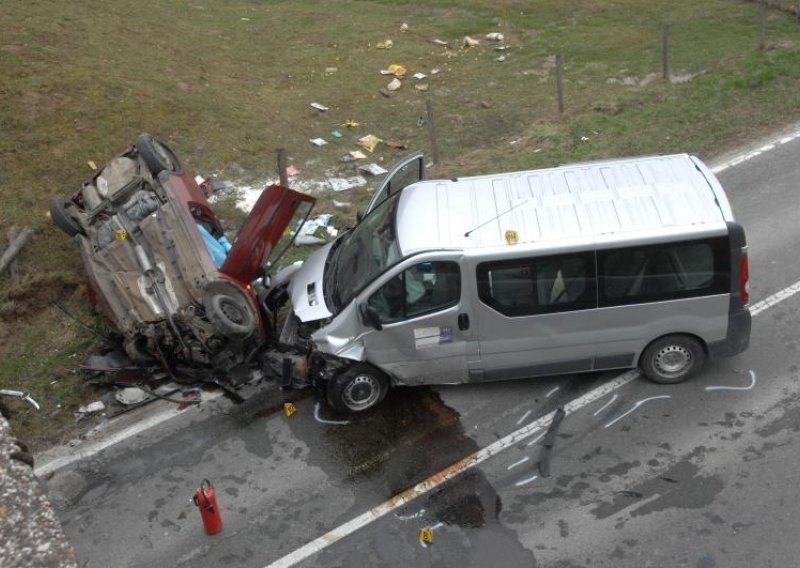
(762, 20)
(432, 132)
(284, 177)
(665, 71)
(560, 82)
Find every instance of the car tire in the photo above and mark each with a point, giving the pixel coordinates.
(672, 359)
(357, 389)
(230, 315)
(61, 217)
(157, 156)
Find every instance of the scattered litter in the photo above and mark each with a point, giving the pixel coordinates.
(404, 27)
(626, 493)
(386, 93)
(373, 169)
(537, 150)
(350, 123)
(635, 406)
(421, 87)
(606, 405)
(397, 69)
(323, 421)
(421, 121)
(395, 144)
(317, 230)
(435, 71)
(500, 47)
(92, 408)
(426, 534)
(394, 84)
(92, 165)
(419, 76)
(358, 155)
(526, 481)
(584, 139)
(470, 42)
(342, 204)
(336, 134)
(131, 395)
(289, 408)
(318, 141)
(368, 142)
(245, 19)
(386, 72)
(501, 58)
(331, 70)
(520, 462)
(752, 384)
(292, 171)
(495, 36)
(343, 184)
(440, 42)
(190, 397)
(385, 44)
(319, 106)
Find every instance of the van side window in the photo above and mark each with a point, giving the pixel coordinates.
(424, 288)
(664, 272)
(539, 285)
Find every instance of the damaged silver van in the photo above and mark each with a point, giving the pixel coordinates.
(584, 267)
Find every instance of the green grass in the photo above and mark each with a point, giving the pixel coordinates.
(227, 83)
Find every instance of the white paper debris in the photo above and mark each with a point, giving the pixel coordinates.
(319, 106)
(372, 168)
(343, 184)
(318, 141)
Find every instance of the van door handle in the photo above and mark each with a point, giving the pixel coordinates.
(463, 322)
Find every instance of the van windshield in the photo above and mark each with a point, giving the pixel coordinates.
(367, 251)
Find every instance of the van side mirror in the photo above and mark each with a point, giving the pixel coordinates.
(370, 317)
(359, 216)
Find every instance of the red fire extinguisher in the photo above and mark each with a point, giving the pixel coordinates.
(206, 500)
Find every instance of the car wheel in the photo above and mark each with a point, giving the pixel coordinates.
(157, 156)
(229, 310)
(357, 389)
(672, 359)
(61, 217)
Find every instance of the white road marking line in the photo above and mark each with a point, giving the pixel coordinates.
(524, 416)
(323, 421)
(757, 152)
(775, 298)
(752, 384)
(448, 473)
(520, 462)
(635, 406)
(526, 481)
(536, 439)
(606, 405)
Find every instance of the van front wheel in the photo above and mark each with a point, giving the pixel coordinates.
(357, 388)
(672, 359)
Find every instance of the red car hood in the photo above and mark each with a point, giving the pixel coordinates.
(263, 229)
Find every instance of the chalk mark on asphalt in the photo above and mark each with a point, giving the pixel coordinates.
(606, 405)
(747, 388)
(635, 406)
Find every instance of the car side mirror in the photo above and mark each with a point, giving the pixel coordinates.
(370, 317)
(359, 216)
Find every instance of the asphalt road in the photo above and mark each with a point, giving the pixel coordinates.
(693, 475)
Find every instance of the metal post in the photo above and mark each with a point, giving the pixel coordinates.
(284, 178)
(432, 132)
(665, 72)
(560, 82)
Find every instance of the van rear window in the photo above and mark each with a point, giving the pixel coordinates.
(664, 272)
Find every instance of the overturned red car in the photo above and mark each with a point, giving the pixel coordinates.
(158, 265)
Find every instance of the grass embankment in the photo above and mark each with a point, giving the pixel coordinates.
(226, 83)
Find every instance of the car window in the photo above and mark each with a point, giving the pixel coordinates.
(424, 288)
(542, 285)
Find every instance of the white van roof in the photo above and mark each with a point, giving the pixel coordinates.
(608, 200)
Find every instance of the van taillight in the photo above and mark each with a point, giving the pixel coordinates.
(744, 278)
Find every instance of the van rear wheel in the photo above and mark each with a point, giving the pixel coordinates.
(672, 359)
(357, 388)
